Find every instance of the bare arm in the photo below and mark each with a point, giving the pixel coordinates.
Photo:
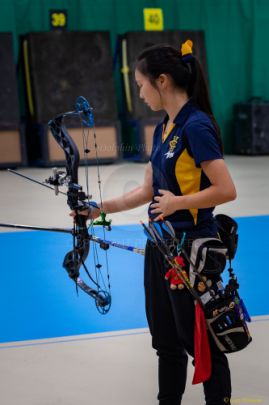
(222, 190)
(134, 198)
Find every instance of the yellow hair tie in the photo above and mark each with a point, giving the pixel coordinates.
(186, 48)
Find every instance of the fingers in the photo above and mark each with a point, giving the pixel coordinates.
(154, 205)
(85, 213)
(155, 208)
(161, 205)
(155, 211)
(91, 212)
(162, 193)
(159, 218)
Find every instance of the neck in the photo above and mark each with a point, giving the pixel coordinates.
(174, 103)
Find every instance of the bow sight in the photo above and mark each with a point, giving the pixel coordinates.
(57, 179)
(76, 195)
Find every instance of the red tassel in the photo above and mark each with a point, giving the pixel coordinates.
(202, 354)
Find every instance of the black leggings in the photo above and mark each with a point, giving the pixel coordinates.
(170, 315)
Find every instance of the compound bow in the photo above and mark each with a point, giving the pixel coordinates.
(78, 201)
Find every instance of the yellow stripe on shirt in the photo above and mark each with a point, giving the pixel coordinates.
(188, 178)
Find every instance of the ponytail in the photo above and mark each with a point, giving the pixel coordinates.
(198, 89)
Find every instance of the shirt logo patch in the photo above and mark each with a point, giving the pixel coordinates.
(172, 145)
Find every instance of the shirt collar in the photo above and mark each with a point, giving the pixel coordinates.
(183, 114)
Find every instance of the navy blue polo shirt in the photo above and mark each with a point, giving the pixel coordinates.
(176, 161)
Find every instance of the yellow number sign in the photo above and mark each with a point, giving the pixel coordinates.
(58, 19)
(153, 19)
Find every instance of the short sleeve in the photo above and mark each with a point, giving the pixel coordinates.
(202, 141)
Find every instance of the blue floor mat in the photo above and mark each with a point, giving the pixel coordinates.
(39, 300)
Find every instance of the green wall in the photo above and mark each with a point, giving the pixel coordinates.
(236, 33)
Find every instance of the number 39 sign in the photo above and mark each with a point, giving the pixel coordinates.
(58, 19)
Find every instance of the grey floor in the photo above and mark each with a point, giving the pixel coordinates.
(118, 368)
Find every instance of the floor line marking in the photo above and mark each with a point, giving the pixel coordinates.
(67, 340)
(105, 335)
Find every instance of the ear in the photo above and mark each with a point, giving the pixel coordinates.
(162, 81)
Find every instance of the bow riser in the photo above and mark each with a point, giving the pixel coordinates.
(77, 200)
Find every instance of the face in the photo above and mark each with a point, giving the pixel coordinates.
(149, 94)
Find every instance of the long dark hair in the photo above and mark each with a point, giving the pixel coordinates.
(187, 75)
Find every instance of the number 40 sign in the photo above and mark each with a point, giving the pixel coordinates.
(153, 19)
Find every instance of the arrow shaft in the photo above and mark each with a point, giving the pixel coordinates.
(36, 228)
(70, 231)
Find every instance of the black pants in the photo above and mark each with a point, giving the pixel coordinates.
(170, 315)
